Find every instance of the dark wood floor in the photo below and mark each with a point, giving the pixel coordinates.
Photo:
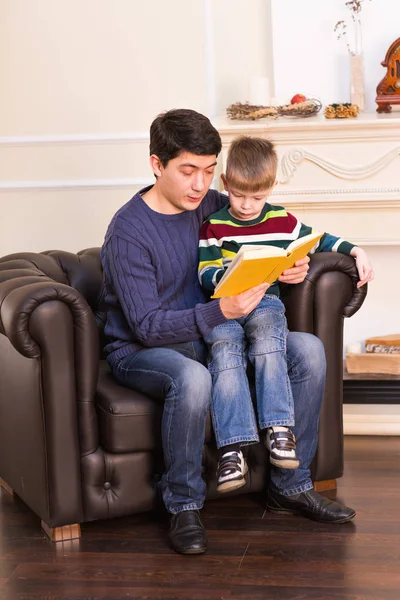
(252, 554)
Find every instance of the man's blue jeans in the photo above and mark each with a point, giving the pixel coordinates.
(261, 338)
(177, 376)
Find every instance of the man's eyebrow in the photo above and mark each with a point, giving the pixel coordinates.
(196, 166)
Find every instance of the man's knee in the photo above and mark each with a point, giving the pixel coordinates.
(314, 353)
(306, 353)
(194, 386)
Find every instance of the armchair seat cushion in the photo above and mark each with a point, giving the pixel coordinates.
(128, 420)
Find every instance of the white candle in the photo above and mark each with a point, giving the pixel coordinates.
(259, 91)
(354, 348)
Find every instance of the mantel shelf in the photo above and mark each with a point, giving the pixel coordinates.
(367, 120)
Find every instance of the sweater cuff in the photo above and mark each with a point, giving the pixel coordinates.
(345, 248)
(209, 316)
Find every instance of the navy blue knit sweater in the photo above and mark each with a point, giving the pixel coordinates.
(152, 290)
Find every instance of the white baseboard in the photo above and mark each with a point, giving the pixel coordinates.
(371, 419)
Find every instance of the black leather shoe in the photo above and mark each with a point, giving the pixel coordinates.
(311, 505)
(187, 534)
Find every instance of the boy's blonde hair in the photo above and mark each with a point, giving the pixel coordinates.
(252, 164)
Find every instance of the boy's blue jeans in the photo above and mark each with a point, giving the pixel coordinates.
(261, 338)
(177, 376)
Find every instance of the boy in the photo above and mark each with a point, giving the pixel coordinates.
(261, 335)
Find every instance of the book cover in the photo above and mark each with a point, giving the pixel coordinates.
(254, 265)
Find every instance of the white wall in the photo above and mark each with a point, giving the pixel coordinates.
(99, 71)
(243, 47)
(308, 57)
(74, 66)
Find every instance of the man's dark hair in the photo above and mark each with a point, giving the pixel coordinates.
(183, 130)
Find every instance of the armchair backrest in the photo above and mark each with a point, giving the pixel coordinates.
(82, 271)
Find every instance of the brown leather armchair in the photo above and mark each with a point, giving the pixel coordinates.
(76, 446)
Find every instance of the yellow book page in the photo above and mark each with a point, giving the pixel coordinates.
(293, 256)
(247, 274)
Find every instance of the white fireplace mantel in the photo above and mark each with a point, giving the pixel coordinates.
(331, 167)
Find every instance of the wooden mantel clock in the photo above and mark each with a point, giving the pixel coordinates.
(388, 91)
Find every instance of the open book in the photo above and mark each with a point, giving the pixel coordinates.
(253, 265)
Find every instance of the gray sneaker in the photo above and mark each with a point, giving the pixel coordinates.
(231, 471)
(281, 444)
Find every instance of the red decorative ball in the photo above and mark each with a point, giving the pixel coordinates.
(298, 98)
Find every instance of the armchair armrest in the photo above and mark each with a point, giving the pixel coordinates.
(329, 273)
(48, 372)
(319, 306)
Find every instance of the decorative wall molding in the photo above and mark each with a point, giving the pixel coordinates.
(79, 184)
(357, 199)
(76, 138)
(336, 191)
(292, 159)
(69, 185)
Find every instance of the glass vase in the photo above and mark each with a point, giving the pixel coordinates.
(357, 93)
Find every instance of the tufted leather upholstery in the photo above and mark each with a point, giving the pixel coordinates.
(76, 446)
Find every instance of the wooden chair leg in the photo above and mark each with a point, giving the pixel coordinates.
(6, 487)
(325, 486)
(62, 534)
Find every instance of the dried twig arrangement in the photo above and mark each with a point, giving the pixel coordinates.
(341, 30)
(251, 112)
(341, 111)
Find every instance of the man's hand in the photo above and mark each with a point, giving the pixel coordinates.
(364, 267)
(296, 274)
(242, 304)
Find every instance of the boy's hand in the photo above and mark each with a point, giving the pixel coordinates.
(296, 274)
(242, 304)
(364, 267)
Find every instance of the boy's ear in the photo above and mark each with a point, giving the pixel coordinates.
(275, 183)
(223, 179)
(155, 165)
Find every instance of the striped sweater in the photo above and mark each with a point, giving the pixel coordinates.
(222, 235)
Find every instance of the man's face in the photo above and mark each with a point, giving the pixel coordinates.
(184, 181)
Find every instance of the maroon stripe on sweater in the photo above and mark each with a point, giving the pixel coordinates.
(274, 225)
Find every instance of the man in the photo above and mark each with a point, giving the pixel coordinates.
(158, 316)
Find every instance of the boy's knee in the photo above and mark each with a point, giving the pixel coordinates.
(231, 331)
(225, 356)
(268, 341)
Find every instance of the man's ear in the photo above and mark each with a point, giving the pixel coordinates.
(155, 165)
(223, 179)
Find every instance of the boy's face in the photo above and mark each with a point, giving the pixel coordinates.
(184, 181)
(246, 206)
